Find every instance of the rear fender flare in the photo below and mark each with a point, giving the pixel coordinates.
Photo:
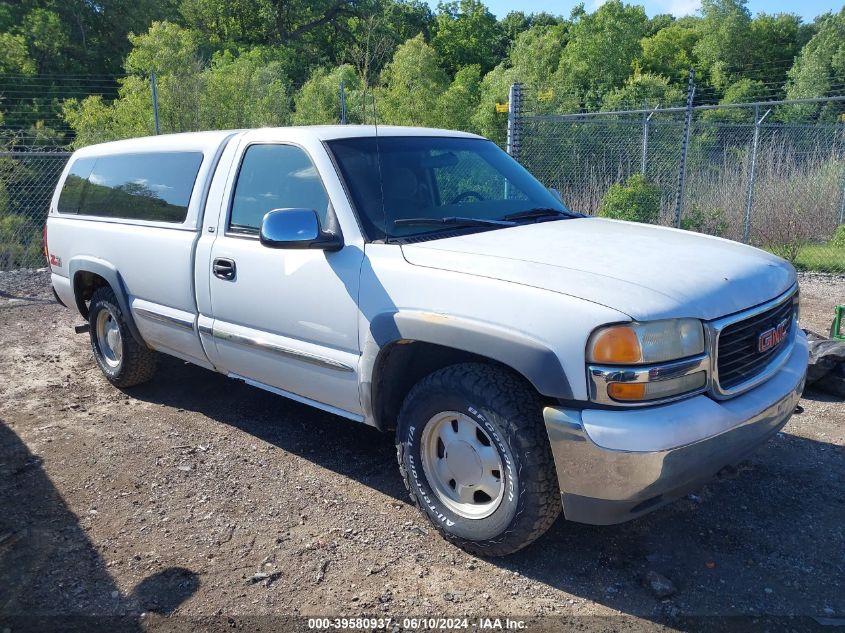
(108, 272)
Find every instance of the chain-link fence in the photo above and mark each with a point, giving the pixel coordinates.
(27, 181)
(769, 174)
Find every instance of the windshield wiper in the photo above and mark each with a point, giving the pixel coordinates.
(453, 221)
(542, 212)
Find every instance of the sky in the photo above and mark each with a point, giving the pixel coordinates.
(807, 9)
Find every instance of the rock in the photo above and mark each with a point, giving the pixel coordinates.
(660, 586)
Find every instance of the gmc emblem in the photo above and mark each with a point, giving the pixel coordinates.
(773, 337)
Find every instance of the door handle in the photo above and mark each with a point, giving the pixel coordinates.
(224, 268)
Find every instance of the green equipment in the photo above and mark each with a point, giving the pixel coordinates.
(836, 326)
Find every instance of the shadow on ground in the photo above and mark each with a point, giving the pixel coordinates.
(759, 543)
(42, 544)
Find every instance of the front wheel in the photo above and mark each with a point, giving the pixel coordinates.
(475, 457)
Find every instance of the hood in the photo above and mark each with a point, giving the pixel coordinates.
(647, 272)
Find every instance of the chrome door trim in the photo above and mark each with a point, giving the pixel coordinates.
(267, 346)
(167, 319)
(355, 417)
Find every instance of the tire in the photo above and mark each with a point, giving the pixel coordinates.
(134, 363)
(506, 412)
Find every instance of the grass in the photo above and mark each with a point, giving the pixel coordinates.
(824, 258)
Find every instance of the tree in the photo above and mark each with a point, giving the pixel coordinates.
(318, 100)
(643, 90)
(455, 106)
(669, 52)
(600, 51)
(494, 89)
(535, 55)
(819, 67)
(265, 21)
(467, 33)
(413, 82)
(724, 47)
(166, 48)
(251, 89)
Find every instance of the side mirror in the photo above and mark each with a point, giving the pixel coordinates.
(296, 228)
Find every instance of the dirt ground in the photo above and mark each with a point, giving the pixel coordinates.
(198, 496)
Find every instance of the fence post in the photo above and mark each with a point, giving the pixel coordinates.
(682, 172)
(342, 103)
(749, 198)
(155, 102)
(514, 112)
(646, 121)
(842, 203)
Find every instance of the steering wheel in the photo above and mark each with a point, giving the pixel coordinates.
(466, 194)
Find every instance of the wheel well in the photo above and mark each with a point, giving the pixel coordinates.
(403, 364)
(85, 283)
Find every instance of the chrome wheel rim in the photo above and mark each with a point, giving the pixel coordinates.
(108, 338)
(462, 466)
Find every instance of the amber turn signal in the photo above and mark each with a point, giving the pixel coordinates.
(627, 391)
(617, 344)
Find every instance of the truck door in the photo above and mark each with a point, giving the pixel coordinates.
(284, 318)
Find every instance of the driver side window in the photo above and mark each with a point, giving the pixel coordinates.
(275, 177)
(470, 174)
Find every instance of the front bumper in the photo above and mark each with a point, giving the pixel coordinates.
(616, 465)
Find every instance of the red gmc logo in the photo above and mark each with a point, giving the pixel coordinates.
(773, 337)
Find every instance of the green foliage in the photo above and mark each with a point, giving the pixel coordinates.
(724, 45)
(20, 243)
(601, 48)
(455, 106)
(669, 52)
(413, 82)
(15, 57)
(643, 90)
(535, 55)
(166, 48)
(710, 221)
(638, 200)
(819, 67)
(318, 101)
(467, 33)
(838, 240)
(494, 89)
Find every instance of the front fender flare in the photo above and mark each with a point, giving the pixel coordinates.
(517, 350)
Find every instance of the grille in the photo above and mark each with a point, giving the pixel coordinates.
(738, 357)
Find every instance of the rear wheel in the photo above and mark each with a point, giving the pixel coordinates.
(124, 361)
(475, 457)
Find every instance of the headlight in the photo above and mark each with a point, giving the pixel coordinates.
(639, 363)
(646, 343)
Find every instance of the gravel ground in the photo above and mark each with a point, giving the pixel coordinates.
(199, 496)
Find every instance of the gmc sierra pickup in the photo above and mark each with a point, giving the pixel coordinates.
(530, 360)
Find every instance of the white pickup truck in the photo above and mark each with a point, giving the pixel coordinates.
(529, 359)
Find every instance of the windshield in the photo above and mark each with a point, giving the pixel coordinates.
(404, 186)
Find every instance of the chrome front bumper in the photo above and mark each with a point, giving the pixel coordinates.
(616, 465)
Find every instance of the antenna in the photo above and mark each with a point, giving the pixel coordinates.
(378, 160)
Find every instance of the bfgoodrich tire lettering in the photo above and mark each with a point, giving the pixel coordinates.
(135, 363)
(507, 411)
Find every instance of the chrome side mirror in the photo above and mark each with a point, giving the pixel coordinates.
(296, 228)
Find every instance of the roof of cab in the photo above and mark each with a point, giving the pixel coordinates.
(208, 142)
